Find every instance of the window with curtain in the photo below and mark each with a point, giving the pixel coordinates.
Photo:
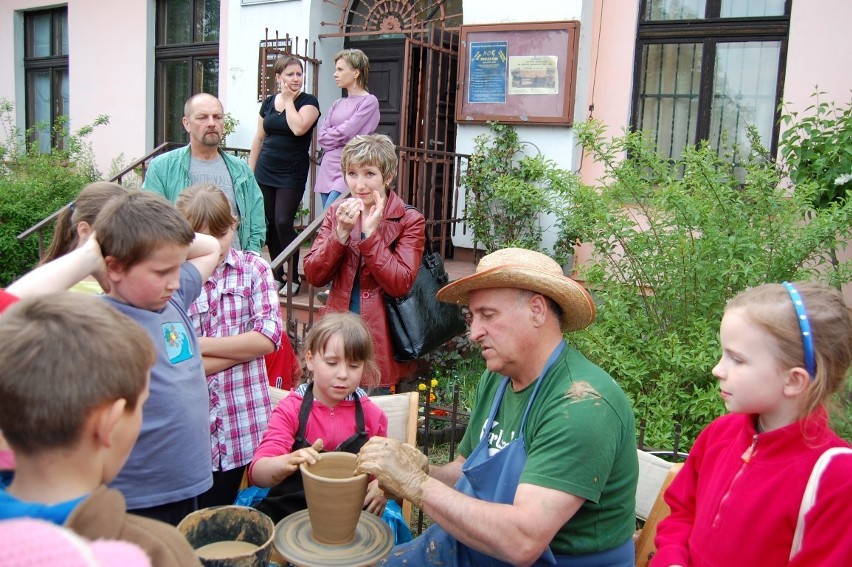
(187, 61)
(46, 73)
(709, 69)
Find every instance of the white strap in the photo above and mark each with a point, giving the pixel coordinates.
(809, 497)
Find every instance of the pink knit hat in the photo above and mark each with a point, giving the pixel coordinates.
(28, 541)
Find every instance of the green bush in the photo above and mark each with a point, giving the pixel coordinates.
(817, 146)
(709, 231)
(506, 192)
(34, 185)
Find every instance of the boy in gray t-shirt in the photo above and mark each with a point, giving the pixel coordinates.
(156, 266)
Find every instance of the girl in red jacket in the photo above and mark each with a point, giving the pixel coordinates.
(329, 411)
(785, 350)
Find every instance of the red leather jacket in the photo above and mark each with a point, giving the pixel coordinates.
(389, 260)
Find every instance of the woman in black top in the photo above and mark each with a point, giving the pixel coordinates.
(280, 155)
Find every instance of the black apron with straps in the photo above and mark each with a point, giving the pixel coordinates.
(288, 496)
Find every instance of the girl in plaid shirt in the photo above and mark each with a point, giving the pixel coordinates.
(238, 320)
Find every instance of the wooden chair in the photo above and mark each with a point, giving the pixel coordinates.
(401, 410)
(655, 475)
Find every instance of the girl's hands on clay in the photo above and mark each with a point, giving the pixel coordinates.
(289, 463)
(375, 500)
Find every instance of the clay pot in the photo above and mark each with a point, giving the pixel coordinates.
(242, 535)
(335, 497)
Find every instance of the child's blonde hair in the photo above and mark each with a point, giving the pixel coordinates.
(206, 208)
(374, 149)
(84, 208)
(770, 307)
(357, 342)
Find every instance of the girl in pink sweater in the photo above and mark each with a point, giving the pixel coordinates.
(328, 412)
(785, 350)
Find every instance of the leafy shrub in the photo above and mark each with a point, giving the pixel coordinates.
(672, 242)
(817, 147)
(507, 191)
(34, 185)
(460, 362)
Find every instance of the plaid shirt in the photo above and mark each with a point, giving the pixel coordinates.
(239, 297)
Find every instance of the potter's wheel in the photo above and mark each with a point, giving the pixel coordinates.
(293, 540)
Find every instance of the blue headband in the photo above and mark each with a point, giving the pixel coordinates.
(804, 327)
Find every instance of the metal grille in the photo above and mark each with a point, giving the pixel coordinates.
(387, 18)
(669, 92)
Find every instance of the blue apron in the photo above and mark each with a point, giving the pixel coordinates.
(495, 479)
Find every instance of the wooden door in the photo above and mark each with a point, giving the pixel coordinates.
(385, 81)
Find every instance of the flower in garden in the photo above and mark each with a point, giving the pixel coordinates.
(843, 179)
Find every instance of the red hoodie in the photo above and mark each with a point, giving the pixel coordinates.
(6, 300)
(737, 498)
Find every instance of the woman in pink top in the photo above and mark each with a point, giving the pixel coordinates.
(357, 113)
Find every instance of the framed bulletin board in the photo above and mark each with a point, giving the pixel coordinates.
(518, 72)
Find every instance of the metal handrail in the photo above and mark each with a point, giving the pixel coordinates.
(415, 182)
(286, 256)
(142, 162)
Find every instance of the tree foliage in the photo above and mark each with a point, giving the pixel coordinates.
(507, 191)
(817, 148)
(672, 242)
(33, 185)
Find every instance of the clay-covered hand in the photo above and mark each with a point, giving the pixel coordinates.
(401, 470)
(375, 500)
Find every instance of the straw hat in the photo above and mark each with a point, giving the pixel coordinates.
(525, 269)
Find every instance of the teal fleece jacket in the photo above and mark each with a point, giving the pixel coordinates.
(168, 175)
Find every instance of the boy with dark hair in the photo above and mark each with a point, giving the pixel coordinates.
(156, 266)
(71, 397)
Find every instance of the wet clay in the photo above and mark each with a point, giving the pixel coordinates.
(229, 526)
(225, 549)
(335, 496)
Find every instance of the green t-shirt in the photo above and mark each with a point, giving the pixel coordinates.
(580, 438)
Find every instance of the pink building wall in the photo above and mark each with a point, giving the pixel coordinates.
(111, 70)
(112, 73)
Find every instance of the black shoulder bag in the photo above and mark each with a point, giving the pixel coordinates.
(418, 322)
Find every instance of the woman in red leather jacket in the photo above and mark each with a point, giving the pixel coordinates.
(369, 245)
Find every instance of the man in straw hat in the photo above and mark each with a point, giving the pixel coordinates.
(547, 468)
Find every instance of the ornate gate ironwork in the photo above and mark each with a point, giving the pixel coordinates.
(429, 167)
(384, 17)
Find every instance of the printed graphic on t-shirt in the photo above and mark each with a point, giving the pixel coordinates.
(498, 438)
(178, 345)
